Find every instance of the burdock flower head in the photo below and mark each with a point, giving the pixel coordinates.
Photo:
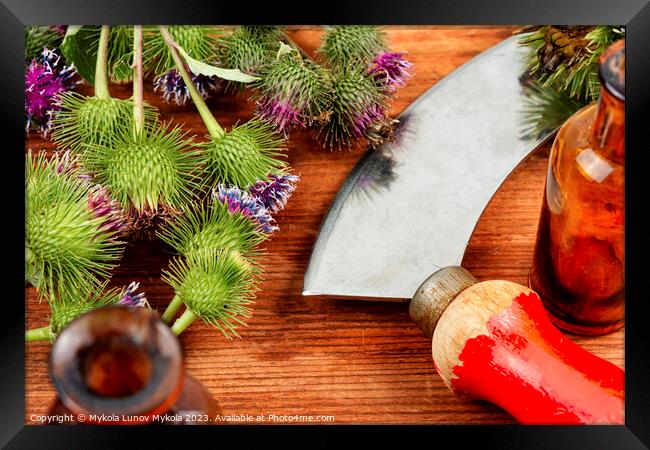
(359, 108)
(247, 48)
(173, 88)
(80, 299)
(275, 192)
(292, 91)
(67, 245)
(280, 113)
(130, 298)
(239, 201)
(103, 206)
(391, 69)
(45, 79)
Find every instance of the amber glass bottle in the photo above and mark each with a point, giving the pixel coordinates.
(122, 365)
(579, 263)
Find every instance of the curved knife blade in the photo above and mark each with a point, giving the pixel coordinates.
(410, 206)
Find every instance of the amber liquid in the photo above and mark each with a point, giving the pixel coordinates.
(123, 366)
(579, 264)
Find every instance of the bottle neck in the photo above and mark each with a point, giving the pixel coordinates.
(607, 136)
(117, 362)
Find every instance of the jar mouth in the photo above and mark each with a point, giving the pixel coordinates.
(117, 361)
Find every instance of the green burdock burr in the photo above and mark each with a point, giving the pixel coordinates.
(83, 122)
(71, 229)
(248, 48)
(213, 227)
(216, 286)
(345, 44)
(81, 300)
(148, 167)
(198, 40)
(243, 155)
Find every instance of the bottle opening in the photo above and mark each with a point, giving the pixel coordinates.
(116, 367)
(117, 360)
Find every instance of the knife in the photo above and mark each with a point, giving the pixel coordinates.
(409, 206)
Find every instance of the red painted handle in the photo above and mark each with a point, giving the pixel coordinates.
(530, 369)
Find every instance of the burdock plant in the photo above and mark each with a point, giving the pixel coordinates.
(39, 37)
(563, 71)
(243, 155)
(46, 79)
(215, 285)
(364, 76)
(248, 49)
(70, 237)
(84, 122)
(199, 41)
(81, 300)
(146, 166)
(345, 44)
(204, 228)
(359, 108)
(293, 91)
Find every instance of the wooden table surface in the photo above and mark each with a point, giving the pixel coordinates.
(358, 361)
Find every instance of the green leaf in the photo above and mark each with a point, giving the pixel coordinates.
(72, 30)
(201, 68)
(80, 48)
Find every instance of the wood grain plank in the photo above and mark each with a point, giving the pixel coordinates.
(361, 362)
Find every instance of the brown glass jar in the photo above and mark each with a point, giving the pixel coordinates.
(579, 263)
(122, 365)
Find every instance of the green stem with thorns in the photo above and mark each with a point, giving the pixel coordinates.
(101, 77)
(172, 309)
(138, 96)
(38, 334)
(211, 123)
(183, 322)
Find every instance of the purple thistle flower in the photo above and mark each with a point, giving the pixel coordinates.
(172, 86)
(67, 162)
(391, 69)
(44, 82)
(131, 300)
(364, 121)
(61, 29)
(239, 201)
(281, 114)
(274, 193)
(103, 206)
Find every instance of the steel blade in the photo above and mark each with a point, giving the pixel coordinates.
(409, 207)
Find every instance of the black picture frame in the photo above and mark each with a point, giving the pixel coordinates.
(634, 14)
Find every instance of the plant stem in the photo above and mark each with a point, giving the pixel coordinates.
(138, 95)
(211, 123)
(38, 334)
(172, 309)
(101, 77)
(183, 322)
